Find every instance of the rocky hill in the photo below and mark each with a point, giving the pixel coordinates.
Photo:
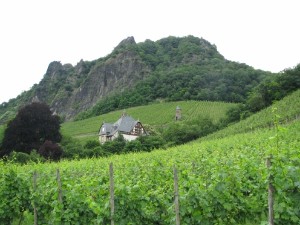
(172, 68)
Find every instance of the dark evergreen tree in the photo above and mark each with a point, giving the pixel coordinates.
(33, 125)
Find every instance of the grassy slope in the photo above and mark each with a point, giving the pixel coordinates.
(155, 115)
(288, 109)
(220, 181)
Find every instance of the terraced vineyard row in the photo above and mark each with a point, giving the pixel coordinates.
(288, 109)
(154, 114)
(220, 182)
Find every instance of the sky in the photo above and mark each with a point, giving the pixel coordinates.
(261, 33)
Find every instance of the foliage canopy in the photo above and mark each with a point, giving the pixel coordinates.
(33, 125)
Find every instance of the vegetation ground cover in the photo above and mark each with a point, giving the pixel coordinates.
(220, 182)
(2, 128)
(288, 109)
(156, 115)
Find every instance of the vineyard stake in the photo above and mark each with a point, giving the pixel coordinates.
(34, 191)
(111, 189)
(59, 186)
(271, 191)
(176, 195)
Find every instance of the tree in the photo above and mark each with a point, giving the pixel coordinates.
(33, 125)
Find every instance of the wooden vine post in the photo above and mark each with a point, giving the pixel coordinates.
(176, 195)
(59, 187)
(111, 190)
(271, 191)
(34, 206)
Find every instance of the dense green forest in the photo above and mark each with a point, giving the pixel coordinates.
(274, 88)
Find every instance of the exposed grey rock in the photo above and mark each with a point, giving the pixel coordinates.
(126, 42)
(58, 88)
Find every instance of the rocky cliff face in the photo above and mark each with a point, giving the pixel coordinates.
(112, 75)
(59, 89)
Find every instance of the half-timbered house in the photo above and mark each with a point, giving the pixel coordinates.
(126, 126)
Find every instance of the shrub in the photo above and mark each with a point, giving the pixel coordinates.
(50, 150)
(19, 157)
(90, 144)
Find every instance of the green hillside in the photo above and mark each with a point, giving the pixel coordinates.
(2, 128)
(155, 115)
(135, 74)
(221, 181)
(286, 110)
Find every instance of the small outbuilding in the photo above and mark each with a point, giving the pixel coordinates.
(178, 113)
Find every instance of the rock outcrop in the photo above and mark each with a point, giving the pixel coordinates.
(58, 87)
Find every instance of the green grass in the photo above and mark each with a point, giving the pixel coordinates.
(157, 114)
(288, 109)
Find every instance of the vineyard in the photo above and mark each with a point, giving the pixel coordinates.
(157, 114)
(221, 181)
(288, 109)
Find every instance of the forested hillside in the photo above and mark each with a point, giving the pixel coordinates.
(183, 69)
(284, 112)
(173, 68)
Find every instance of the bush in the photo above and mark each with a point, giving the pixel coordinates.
(95, 152)
(50, 150)
(23, 158)
(133, 146)
(151, 142)
(72, 148)
(115, 146)
(36, 157)
(180, 133)
(19, 157)
(90, 144)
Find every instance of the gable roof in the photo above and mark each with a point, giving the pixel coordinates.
(106, 128)
(124, 124)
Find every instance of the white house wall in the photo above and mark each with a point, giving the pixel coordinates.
(129, 137)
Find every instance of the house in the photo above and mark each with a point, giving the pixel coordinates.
(126, 126)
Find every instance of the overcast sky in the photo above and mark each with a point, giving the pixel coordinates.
(261, 33)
